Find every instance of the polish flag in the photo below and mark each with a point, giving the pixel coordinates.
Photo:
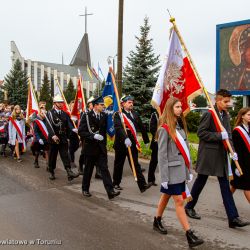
(32, 105)
(79, 102)
(176, 78)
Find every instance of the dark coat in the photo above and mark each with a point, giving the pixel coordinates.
(91, 145)
(153, 129)
(212, 156)
(120, 134)
(242, 182)
(38, 133)
(63, 131)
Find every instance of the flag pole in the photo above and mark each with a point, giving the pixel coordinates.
(120, 111)
(172, 20)
(67, 105)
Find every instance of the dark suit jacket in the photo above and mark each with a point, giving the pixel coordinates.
(63, 131)
(153, 129)
(120, 134)
(91, 145)
(212, 156)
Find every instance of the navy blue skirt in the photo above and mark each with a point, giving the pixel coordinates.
(174, 189)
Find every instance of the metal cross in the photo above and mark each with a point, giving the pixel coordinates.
(85, 15)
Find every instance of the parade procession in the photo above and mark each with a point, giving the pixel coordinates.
(140, 155)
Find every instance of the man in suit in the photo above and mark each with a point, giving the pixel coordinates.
(124, 140)
(59, 127)
(213, 159)
(93, 130)
(154, 147)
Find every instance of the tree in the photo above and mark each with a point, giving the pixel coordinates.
(140, 73)
(200, 101)
(16, 85)
(70, 92)
(45, 92)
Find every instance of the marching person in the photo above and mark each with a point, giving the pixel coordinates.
(241, 140)
(174, 164)
(93, 130)
(40, 141)
(59, 126)
(73, 139)
(154, 147)
(3, 133)
(212, 159)
(124, 140)
(16, 131)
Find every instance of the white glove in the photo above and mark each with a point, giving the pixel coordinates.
(55, 138)
(191, 176)
(98, 137)
(41, 142)
(75, 130)
(224, 135)
(234, 157)
(165, 185)
(237, 172)
(127, 142)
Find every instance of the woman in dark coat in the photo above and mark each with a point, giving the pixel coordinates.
(241, 140)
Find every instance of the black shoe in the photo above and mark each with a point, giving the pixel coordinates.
(52, 176)
(71, 174)
(237, 222)
(192, 239)
(98, 176)
(152, 183)
(86, 193)
(190, 212)
(118, 187)
(145, 187)
(113, 194)
(157, 226)
(36, 165)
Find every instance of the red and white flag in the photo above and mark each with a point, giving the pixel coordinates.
(79, 102)
(176, 78)
(32, 105)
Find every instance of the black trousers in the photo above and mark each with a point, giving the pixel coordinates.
(63, 149)
(102, 161)
(153, 162)
(226, 194)
(81, 159)
(120, 156)
(73, 146)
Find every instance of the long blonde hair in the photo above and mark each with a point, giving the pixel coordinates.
(168, 117)
(242, 112)
(14, 114)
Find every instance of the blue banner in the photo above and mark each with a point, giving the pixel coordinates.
(110, 102)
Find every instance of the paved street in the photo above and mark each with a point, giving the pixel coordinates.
(43, 213)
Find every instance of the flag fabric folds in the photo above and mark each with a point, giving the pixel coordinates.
(79, 102)
(100, 71)
(110, 102)
(89, 72)
(32, 105)
(176, 78)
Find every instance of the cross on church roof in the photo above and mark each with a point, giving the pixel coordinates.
(86, 16)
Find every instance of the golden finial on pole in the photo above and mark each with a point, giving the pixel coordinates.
(172, 19)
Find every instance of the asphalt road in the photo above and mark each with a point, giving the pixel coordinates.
(37, 213)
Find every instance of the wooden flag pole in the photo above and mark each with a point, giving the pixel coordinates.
(124, 126)
(172, 20)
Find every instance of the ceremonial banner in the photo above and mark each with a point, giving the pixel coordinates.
(89, 72)
(79, 102)
(111, 104)
(32, 105)
(176, 78)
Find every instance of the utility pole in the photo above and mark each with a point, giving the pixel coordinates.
(119, 49)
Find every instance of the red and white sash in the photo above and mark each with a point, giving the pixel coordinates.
(2, 129)
(218, 128)
(244, 135)
(18, 128)
(42, 128)
(131, 127)
(181, 145)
